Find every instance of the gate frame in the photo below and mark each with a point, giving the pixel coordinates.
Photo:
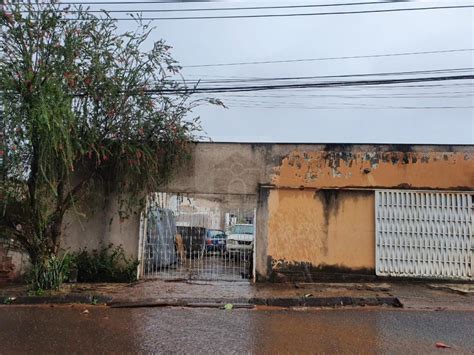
(143, 231)
(141, 239)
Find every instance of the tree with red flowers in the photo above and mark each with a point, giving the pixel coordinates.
(84, 107)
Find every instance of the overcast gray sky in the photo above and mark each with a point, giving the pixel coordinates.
(372, 115)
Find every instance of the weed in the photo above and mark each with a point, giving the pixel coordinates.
(49, 274)
(107, 264)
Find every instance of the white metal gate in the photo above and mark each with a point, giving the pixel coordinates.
(424, 234)
(197, 237)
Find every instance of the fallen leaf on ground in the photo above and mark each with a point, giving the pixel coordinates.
(229, 306)
(442, 345)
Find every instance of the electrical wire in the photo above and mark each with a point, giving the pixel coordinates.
(460, 95)
(279, 7)
(238, 8)
(358, 83)
(299, 78)
(132, 18)
(359, 108)
(327, 58)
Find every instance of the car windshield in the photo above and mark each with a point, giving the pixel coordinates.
(242, 229)
(216, 234)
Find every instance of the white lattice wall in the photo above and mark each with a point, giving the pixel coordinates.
(424, 234)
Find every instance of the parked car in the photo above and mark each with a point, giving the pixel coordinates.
(215, 240)
(194, 240)
(240, 241)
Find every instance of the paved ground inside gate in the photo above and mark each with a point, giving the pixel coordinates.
(212, 266)
(69, 329)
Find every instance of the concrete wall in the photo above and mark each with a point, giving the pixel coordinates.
(312, 231)
(376, 169)
(319, 212)
(98, 223)
(239, 168)
(315, 202)
(333, 227)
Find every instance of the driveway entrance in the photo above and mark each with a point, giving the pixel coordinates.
(200, 237)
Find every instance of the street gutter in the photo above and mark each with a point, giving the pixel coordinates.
(235, 303)
(252, 302)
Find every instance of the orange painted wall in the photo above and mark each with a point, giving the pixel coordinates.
(321, 228)
(413, 170)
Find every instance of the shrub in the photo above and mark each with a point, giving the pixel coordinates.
(107, 264)
(49, 274)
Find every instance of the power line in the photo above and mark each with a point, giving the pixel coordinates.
(224, 8)
(298, 101)
(447, 95)
(131, 2)
(356, 107)
(452, 7)
(310, 85)
(216, 8)
(328, 58)
(416, 72)
(390, 87)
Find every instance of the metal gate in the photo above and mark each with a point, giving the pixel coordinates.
(424, 234)
(202, 238)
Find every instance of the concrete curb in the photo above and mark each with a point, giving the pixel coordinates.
(205, 302)
(63, 299)
(329, 301)
(251, 303)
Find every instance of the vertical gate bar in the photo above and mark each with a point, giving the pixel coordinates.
(254, 253)
(142, 240)
(378, 267)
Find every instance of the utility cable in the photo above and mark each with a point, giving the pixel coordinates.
(133, 18)
(310, 85)
(328, 58)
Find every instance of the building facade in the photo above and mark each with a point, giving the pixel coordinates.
(327, 209)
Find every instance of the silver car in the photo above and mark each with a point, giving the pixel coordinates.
(240, 240)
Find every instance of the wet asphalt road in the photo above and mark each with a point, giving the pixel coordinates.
(65, 329)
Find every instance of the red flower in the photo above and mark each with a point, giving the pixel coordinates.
(8, 17)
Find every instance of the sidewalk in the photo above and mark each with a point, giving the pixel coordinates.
(200, 293)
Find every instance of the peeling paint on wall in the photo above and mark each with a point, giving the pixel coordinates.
(339, 169)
